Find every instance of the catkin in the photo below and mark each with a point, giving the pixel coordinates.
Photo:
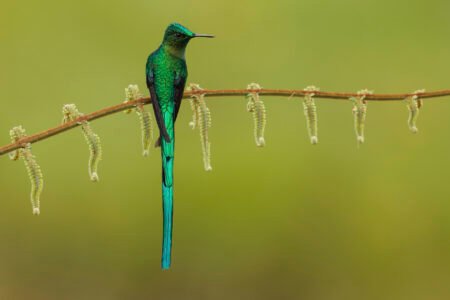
(359, 114)
(36, 178)
(414, 104)
(145, 119)
(310, 111)
(33, 169)
(256, 106)
(132, 93)
(201, 119)
(193, 123)
(95, 150)
(204, 123)
(71, 113)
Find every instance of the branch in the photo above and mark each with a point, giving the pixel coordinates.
(21, 143)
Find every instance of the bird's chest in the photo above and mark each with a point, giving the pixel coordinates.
(167, 74)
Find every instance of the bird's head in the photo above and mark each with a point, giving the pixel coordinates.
(177, 36)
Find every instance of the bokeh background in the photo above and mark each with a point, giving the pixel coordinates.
(288, 221)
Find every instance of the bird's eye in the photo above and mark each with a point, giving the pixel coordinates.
(178, 35)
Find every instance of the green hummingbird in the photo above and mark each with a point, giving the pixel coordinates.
(166, 72)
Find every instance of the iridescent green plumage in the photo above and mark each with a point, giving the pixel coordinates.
(166, 78)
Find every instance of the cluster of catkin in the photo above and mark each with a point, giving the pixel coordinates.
(201, 120)
(256, 106)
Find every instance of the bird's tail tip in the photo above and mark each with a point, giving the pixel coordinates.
(165, 264)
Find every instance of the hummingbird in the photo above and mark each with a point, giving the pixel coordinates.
(166, 74)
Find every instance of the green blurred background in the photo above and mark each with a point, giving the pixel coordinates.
(289, 221)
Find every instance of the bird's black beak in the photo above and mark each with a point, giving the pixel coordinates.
(203, 35)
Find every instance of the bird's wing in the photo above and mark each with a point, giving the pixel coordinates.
(155, 103)
(178, 86)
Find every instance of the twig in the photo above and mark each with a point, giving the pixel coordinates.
(208, 93)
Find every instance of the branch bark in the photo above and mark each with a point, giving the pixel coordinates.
(208, 93)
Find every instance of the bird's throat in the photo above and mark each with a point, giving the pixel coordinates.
(178, 52)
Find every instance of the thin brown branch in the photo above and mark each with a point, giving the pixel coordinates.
(208, 93)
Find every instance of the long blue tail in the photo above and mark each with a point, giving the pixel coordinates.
(167, 157)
